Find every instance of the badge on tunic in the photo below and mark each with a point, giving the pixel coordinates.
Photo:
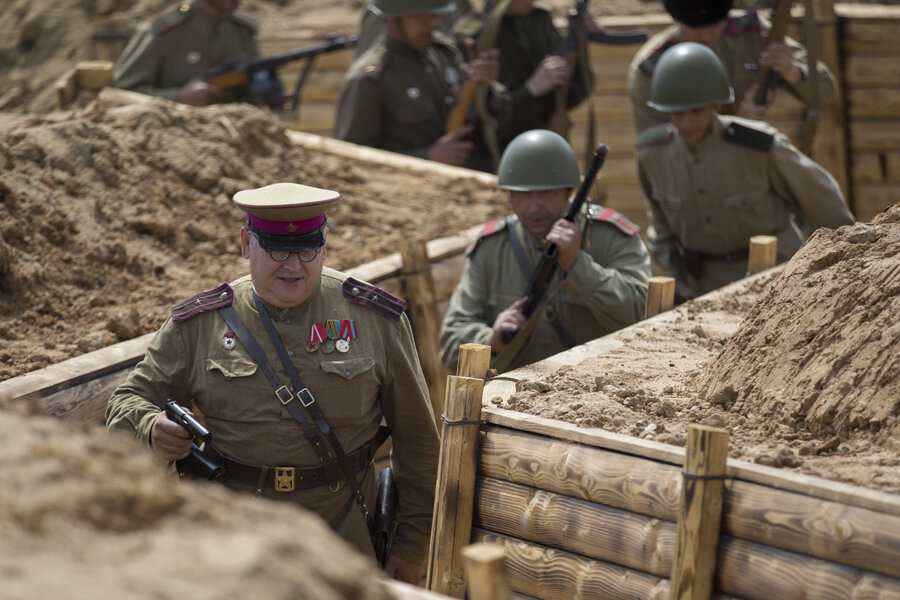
(312, 347)
(413, 92)
(348, 329)
(327, 346)
(193, 57)
(451, 76)
(342, 345)
(229, 340)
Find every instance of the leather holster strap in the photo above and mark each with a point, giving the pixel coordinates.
(328, 473)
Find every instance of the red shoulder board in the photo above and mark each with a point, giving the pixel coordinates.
(613, 217)
(648, 65)
(373, 297)
(654, 136)
(214, 299)
(490, 228)
(742, 24)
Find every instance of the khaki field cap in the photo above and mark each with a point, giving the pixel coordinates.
(698, 13)
(538, 160)
(391, 9)
(688, 76)
(287, 216)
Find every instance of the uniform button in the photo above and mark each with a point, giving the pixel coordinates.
(290, 352)
(355, 291)
(287, 321)
(347, 374)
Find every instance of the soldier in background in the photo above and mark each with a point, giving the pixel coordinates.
(351, 344)
(168, 56)
(604, 266)
(739, 41)
(712, 182)
(397, 95)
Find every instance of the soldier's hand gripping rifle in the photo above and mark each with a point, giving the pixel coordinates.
(261, 73)
(766, 77)
(547, 265)
(203, 462)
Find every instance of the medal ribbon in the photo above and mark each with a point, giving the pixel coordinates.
(332, 328)
(317, 332)
(348, 329)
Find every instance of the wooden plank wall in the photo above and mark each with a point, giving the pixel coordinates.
(869, 73)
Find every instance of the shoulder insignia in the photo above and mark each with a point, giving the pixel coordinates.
(468, 26)
(244, 20)
(742, 24)
(373, 297)
(490, 228)
(372, 63)
(648, 65)
(173, 17)
(747, 136)
(442, 39)
(655, 136)
(614, 217)
(214, 299)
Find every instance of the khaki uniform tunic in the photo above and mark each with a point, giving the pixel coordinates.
(605, 290)
(379, 377)
(744, 179)
(524, 41)
(397, 98)
(738, 48)
(184, 44)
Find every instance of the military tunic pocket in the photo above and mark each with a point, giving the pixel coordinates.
(349, 368)
(232, 368)
(349, 392)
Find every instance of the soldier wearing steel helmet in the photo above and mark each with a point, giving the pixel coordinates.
(398, 94)
(738, 38)
(293, 368)
(604, 266)
(372, 27)
(713, 181)
(168, 56)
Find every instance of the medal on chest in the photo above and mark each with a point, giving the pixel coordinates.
(331, 335)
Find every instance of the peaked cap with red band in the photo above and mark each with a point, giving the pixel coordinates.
(287, 216)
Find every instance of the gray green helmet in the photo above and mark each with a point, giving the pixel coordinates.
(391, 9)
(538, 160)
(688, 76)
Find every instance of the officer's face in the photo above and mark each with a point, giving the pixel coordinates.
(707, 35)
(283, 284)
(538, 210)
(693, 125)
(414, 30)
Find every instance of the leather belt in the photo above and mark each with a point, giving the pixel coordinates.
(288, 478)
(693, 260)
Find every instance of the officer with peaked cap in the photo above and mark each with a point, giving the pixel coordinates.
(337, 358)
(738, 38)
(712, 182)
(604, 265)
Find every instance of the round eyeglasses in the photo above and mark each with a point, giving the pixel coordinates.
(282, 255)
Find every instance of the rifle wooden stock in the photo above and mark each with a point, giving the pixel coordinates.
(781, 14)
(228, 80)
(459, 114)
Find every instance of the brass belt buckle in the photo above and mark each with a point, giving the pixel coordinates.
(284, 479)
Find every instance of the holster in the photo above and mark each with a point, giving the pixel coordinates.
(384, 517)
(202, 463)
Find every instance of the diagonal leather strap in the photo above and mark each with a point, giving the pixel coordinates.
(517, 249)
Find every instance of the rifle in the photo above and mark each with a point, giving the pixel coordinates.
(203, 462)
(765, 78)
(260, 73)
(547, 265)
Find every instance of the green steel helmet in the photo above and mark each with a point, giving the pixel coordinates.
(391, 9)
(538, 160)
(688, 76)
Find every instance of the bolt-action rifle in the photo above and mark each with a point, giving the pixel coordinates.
(203, 462)
(547, 265)
(766, 77)
(261, 74)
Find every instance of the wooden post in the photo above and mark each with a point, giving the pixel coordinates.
(700, 516)
(484, 572)
(474, 361)
(452, 523)
(763, 253)
(660, 295)
(426, 326)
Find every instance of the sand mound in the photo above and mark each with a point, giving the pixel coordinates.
(820, 347)
(86, 515)
(110, 215)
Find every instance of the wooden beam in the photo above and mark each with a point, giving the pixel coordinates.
(660, 295)
(474, 360)
(701, 513)
(452, 520)
(763, 253)
(419, 288)
(484, 572)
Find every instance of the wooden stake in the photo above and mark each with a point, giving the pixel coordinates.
(763, 253)
(660, 295)
(474, 361)
(455, 493)
(484, 571)
(700, 517)
(426, 326)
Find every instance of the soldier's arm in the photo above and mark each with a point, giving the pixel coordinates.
(660, 239)
(826, 81)
(466, 321)
(359, 112)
